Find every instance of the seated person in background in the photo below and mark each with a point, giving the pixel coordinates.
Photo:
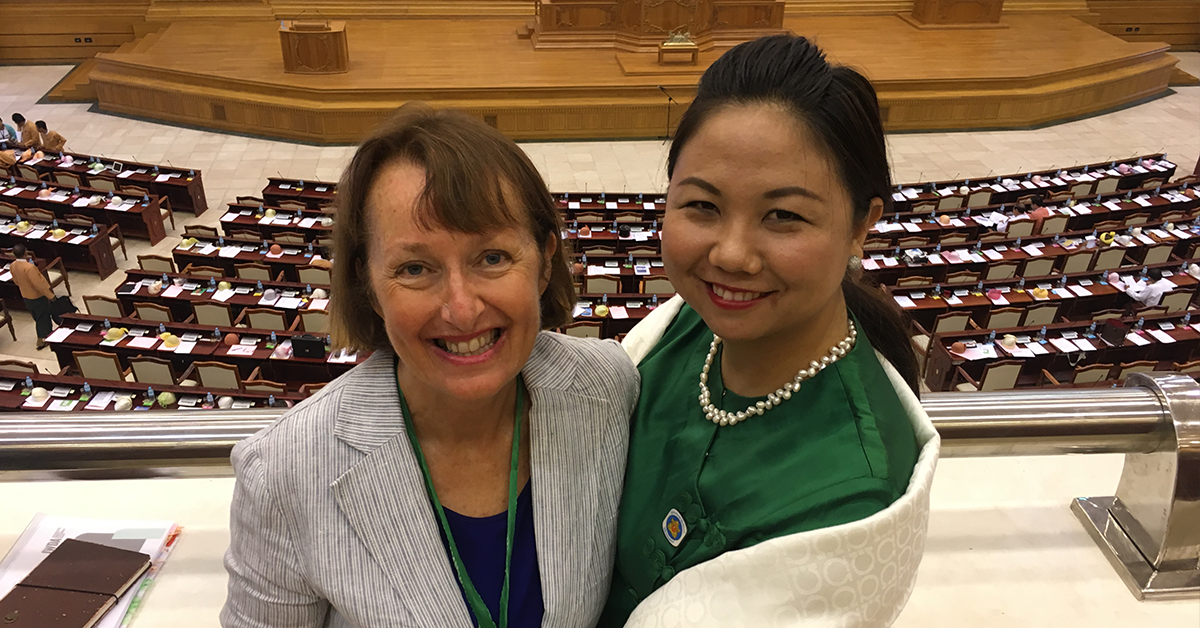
(50, 140)
(1149, 291)
(8, 134)
(28, 132)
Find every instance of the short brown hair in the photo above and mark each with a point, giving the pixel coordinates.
(476, 179)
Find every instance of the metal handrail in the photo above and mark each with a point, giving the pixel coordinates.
(1015, 423)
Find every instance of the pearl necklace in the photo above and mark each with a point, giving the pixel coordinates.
(722, 417)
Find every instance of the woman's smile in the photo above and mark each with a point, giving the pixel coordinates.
(474, 348)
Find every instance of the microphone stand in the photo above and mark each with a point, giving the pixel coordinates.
(670, 101)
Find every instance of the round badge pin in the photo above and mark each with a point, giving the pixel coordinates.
(674, 528)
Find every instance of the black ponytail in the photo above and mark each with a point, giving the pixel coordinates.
(839, 105)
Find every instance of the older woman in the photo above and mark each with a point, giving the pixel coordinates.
(779, 460)
(467, 473)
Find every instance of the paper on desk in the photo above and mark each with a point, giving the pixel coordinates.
(870, 264)
(230, 251)
(1143, 202)
(172, 291)
(36, 234)
(340, 356)
(1037, 348)
(318, 304)
(208, 249)
(1112, 205)
(898, 197)
(63, 405)
(1162, 336)
(59, 334)
(268, 302)
(162, 178)
(125, 174)
(282, 221)
(904, 301)
(13, 191)
(230, 216)
(185, 347)
(288, 303)
(59, 197)
(890, 261)
(647, 205)
(1032, 250)
(242, 350)
(955, 222)
(145, 342)
(573, 205)
(1084, 344)
(1064, 345)
(602, 270)
(307, 223)
(223, 295)
(30, 402)
(274, 255)
(1081, 291)
(1146, 239)
(54, 238)
(82, 201)
(618, 312)
(953, 300)
(935, 259)
(1137, 339)
(1000, 300)
(910, 193)
(100, 401)
(993, 255)
(1063, 292)
(911, 227)
(1179, 233)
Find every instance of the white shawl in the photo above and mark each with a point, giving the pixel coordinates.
(858, 574)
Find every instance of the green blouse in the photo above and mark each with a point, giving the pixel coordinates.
(841, 449)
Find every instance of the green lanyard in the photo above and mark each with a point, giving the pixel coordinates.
(478, 608)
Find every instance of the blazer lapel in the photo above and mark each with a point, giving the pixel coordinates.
(383, 496)
(564, 516)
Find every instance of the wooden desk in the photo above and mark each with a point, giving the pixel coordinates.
(251, 218)
(314, 194)
(941, 365)
(79, 251)
(183, 186)
(9, 292)
(181, 304)
(314, 47)
(141, 220)
(285, 370)
(15, 400)
(285, 263)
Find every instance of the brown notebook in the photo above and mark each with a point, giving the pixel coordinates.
(73, 586)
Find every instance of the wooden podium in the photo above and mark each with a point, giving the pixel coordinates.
(314, 47)
(952, 14)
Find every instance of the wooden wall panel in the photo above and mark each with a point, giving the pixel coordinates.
(1176, 22)
(45, 30)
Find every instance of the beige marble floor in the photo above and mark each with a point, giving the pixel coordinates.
(234, 165)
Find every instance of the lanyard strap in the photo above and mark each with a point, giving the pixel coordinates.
(483, 616)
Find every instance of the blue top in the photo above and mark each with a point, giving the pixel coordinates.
(481, 542)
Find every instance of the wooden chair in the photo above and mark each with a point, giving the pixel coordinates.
(288, 237)
(311, 388)
(1110, 258)
(1177, 300)
(1038, 267)
(1004, 317)
(156, 263)
(1054, 224)
(193, 270)
(27, 172)
(263, 385)
(292, 205)
(1089, 374)
(213, 313)
(1158, 253)
(598, 250)
(19, 366)
(999, 375)
(657, 285)
(589, 217)
(1173, 216)
(245, 235)
(871, 244)
(314, 275)
(107, 307)
(200, 231)
(1104, 315)
(601, 284)
(8, 210)
(1040, 314)
(132, 191)
(68, 179)
(912, 242)
(313, 321)
(954, 201)
(643, 250)
(115, 239)
(1155, 310)
(263, 318)
(924, 207)
(1107, 225)
(152, 312)
(953, 238)
(913, 281)
(993, 236)
(1078, 262)
(1141, 366)
(37, 214)
(215, 375)
(980, 198)
(1188, 368)
(1082, 189)
(6, 319)
(1001, 270)
(253, 271)
(1137, 219)
(102, 182)
(1020, 227)
(922, 341)
(1059, 197)
(962, 276)
(99, 365)
(627, 217)
(1107, 185)
(583, 329)
(151, 370)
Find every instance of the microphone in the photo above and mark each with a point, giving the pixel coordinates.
(664, 91)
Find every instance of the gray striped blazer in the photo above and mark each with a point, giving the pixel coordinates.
(331, 524)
